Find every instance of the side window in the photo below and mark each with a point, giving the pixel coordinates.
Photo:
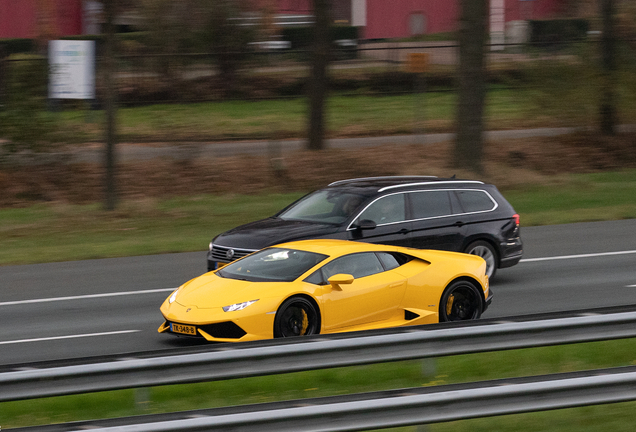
(388, 261)
(475, 201)
(392, 260)
(430, 204)
(359, 265)
(315, 278)
(388, 209)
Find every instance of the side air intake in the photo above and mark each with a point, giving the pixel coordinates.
(408, 315)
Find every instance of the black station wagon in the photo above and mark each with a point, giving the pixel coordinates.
(416, 211)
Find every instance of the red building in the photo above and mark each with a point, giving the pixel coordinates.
(40, 18)
(377, 19)
(380, 19)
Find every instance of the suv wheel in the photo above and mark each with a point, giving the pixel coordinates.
(487, 252)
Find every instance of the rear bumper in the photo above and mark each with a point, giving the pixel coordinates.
(511, 252)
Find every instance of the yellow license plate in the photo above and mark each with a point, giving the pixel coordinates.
(184, 329)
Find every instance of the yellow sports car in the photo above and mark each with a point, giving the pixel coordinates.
(327, 286)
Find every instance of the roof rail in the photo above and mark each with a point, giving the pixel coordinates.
(431, 183)
(340, 182)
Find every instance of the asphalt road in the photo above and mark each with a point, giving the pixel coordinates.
(111, 306)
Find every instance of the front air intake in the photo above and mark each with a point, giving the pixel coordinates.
(224, 330)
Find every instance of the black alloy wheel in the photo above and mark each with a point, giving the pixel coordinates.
(487, 252)
(297, 316)
(461, 301)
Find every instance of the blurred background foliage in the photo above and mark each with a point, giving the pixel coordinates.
(25, 123)
(192, 51)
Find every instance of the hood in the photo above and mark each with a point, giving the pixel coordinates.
(212, 291)
(271, 231)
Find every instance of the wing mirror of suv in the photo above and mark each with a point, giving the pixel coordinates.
(365, 224)
(340, 279)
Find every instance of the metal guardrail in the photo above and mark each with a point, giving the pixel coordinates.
(315, 353)
(410, 409)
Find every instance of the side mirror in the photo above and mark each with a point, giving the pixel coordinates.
(366, 224)
(340, 279)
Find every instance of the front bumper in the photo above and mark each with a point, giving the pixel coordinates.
(253, 323)
(488, 300)
(226, 331)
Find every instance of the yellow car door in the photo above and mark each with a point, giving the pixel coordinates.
(373, 295)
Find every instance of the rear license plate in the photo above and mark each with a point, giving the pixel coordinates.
(184, 329)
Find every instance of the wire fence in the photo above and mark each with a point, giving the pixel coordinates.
(378, 68)
(379, 84)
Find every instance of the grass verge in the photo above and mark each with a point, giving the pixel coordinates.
(346, 115)
(63, 232)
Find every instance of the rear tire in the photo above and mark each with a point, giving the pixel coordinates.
(297, 316)
(487, 252)
(461, 301)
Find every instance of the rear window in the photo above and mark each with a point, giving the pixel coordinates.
(475, 201)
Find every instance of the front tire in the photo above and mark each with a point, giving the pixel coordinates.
(487, 252)
(461, 301)
(297, 316)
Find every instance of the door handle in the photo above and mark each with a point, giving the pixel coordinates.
(459, 224)
(403, 231)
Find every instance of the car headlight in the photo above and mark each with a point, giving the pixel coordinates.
(238, 306)
(173, 297)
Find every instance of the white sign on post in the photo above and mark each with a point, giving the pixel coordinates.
(497, 25)
(72, 69)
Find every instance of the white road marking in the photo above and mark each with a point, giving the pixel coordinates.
(630, 286)
(87, 296)
(578, 256)
(67, 337)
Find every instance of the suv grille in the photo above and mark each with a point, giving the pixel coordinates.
(223, 254)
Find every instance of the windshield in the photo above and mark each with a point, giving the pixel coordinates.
(272, 265)
(325, 206)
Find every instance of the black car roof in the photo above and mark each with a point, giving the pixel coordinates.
(381, 184)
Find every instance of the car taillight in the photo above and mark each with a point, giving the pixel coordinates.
(516, 218)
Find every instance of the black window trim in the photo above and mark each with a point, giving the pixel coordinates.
(350, 227)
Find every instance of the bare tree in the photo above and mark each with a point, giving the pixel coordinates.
(472, 36)
(110, 104)
(223, 33)
(607, 109)
(318, 79)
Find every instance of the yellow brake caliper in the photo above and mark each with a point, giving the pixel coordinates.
(449, 304)
(305, 323)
